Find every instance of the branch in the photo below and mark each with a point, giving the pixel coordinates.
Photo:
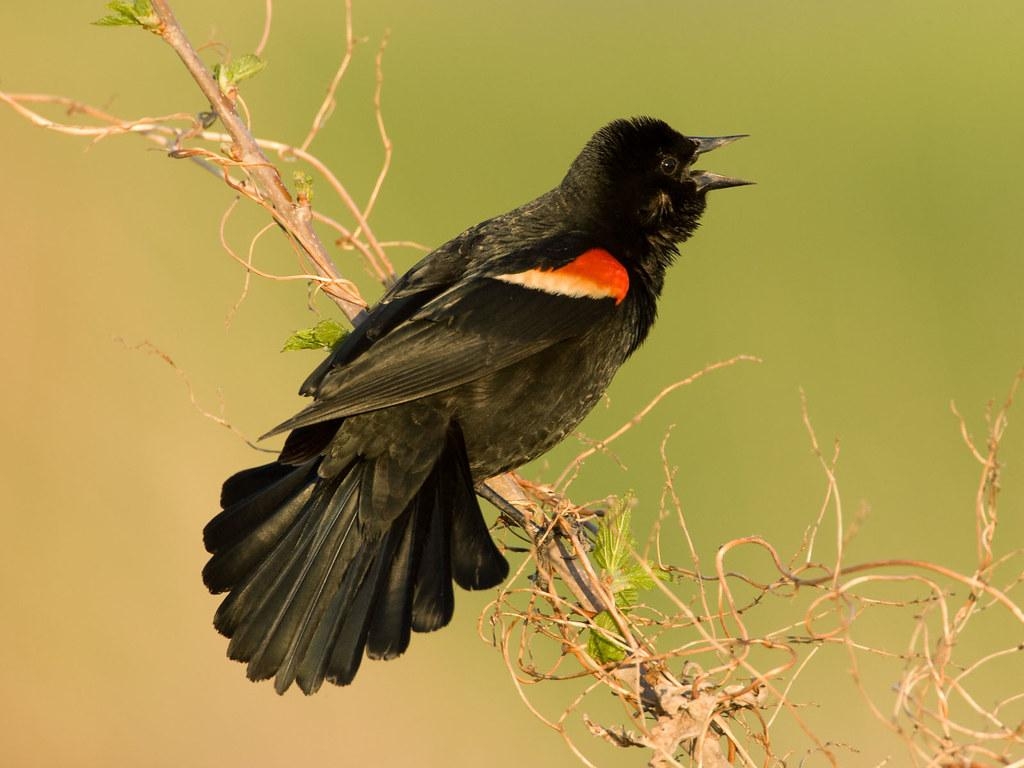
(294, 217)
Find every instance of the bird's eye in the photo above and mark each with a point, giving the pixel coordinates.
(669, 165)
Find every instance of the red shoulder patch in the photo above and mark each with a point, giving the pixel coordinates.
(594, 274)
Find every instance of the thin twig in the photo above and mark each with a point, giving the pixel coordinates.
(570, 471)
(267, 19)
(294, 218)
(330, 101)
(218, 418)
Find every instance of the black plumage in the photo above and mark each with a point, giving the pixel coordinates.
(479, 359)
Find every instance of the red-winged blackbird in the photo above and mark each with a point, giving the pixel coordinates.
(480, 358)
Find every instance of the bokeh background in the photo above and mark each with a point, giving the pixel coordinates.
(877, 265)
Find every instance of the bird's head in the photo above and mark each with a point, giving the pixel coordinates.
(641, 171)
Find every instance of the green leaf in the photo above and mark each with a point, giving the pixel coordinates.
(115, 21)
(221, 75)
(599, 646)
(231, 73)
(246, 66)
(135, 13)
(303, 185)
(324, 335)
(614, 540)
(613, 552)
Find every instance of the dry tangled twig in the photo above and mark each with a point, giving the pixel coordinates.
(699, 687)
(239, 158)
(217, 417)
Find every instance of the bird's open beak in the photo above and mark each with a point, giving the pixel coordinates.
(708, 143)
(706, 180)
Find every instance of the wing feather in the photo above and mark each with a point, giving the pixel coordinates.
(471, 330)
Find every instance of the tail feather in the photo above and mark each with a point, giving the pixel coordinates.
(390, 626)
(261, 568)
(231, 564)
(318, 571)
(250, 498)
(433, 601)
(305, 587)
(476, 562)
(343, 657)
(307, 443)
(339, 660)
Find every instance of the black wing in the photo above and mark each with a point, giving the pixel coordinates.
(433, 275)
(472, 329)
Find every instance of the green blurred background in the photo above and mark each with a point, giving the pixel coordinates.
(877, 265)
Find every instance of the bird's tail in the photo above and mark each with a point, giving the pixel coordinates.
(312, 581)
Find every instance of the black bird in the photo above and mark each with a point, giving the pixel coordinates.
(479, 359)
